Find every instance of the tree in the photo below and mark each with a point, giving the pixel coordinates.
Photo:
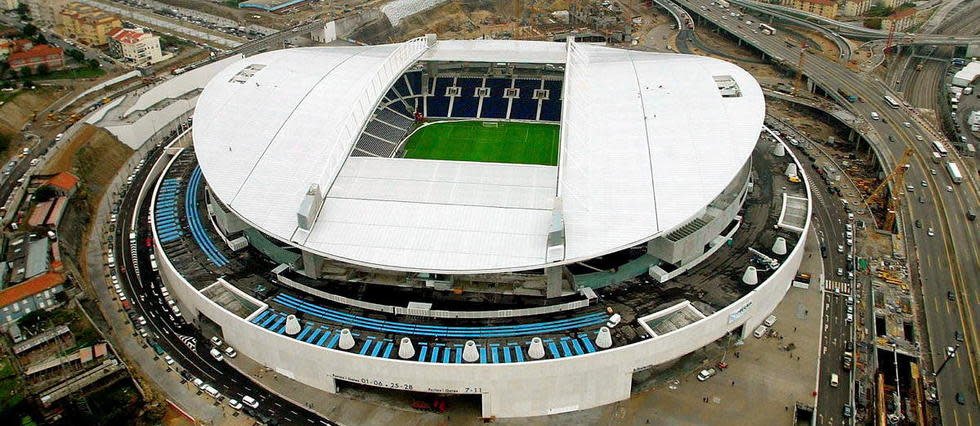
(25, 72)
(23, 10)
(93, 63)
(40, 39)
(45, 193)
(76, 54)
(29, 30)
(873, 23)
(4, 141)
(42, 69)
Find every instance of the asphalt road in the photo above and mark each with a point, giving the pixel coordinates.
(950, 260)
(142, 285)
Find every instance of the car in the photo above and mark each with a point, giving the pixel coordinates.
(198, 383)
(706, 374)
(840, 272)
(949, 188)
(951, 352)
(924, 183)
(216, 354)
(840, 248)
(960, 399)
(230, 352)
(249, 401)
(850, 309)
(922, 200)
(186, 375)
(910, 188)
(233, 403)
(850, 276)
(950, 295)
(215, 340)
(918, 223)
(850, 258)
(930, 232)
(848, 235)
(847, 412)
(919, 138)
(141, 320)
(958, 336)
(932, 172)
(168, 359)
(849, 318)
(850, 216)
(849, 227)
(850, 242)
(907, 124)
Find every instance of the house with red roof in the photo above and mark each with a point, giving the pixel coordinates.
(36, 55)
(36, 293)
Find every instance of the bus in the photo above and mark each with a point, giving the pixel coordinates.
(954, 172)
(891, 102)
(938, 147)
(767, 29)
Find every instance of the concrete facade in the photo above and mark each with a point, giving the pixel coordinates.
(507, 390)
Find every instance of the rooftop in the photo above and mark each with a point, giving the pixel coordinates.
(635, 162)
(30, 287)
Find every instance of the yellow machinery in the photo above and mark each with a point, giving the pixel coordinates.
(896, 177)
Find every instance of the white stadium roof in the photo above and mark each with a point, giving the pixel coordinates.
(647, 141)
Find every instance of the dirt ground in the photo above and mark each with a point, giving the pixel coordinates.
(94, 155)
(21, 108)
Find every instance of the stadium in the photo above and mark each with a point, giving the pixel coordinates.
(529, 226)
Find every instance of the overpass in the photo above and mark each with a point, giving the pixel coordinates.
(854, 30)
(946, 261)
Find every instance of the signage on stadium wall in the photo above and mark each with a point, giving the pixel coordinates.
(734, 316)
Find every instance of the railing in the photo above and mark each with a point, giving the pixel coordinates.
(430, 313)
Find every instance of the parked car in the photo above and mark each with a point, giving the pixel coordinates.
(249, 401)
(233, 403)
(215, 340)
(706, 374)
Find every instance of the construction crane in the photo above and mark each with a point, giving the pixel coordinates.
(890, 42)
(896, 177)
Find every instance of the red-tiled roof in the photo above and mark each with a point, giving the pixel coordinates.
(822, 2)
(30, 287)
(34, 52)
(64, 181)
(125, 35)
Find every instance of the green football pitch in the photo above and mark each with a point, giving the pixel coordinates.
(498, 142)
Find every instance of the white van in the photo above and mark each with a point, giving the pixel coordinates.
(760, 331)
(216, 354)
(211, 391)
(770, 321)
(834, 380)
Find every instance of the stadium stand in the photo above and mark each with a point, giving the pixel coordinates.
(495, 106)
(194, 221)
(551, 107)
(168, 227)
(437, 103)
(525, 107)
(465, 106)
(375, 146)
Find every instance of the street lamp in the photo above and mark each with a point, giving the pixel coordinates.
(949, 355)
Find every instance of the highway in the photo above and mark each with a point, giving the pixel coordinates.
(950, 260)
(143, 287)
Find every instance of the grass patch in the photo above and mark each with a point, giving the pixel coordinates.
(230, 3)
(490, 142)
(10, 390)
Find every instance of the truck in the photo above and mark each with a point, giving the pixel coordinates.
(936, 157)
(847, 360)
(850, 98)
(954, 172)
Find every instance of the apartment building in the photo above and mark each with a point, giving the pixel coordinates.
(45, 12)
(856, 7)
(135, 46)
(33, 56)
(825, 8)
(902, 19)
(87, 24)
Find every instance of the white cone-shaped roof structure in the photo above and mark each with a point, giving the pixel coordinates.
(750, 277)
(470, 354)
(536, 349)
(604, 339)
(779, 150)
(405, 349)
(346, 339)
(292, 325)
(780, 246)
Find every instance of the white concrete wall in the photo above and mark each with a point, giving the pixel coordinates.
(181, 84)
(508, 390)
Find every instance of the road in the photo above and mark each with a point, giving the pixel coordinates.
(144, 288)
(950, 259)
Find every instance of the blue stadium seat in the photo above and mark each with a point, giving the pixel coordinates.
(414, 82)
(551, 108)
(495, 106)
(465, 105)
(525, 107)
(437, 103)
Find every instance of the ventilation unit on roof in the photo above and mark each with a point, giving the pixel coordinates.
(246, 73)
(727, 86)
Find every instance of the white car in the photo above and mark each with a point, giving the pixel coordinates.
(198, 383)
(706, 374)
(215, 340)
(950, 352)
(919, 138)
(230, 352)
(907, 124)
(949, 188)
(170, 361)
(930, 232)
(233, 403)
(249, 401)
(216, 354)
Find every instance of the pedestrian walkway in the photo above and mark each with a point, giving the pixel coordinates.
(838, 287)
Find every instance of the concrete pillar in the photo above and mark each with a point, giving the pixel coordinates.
(346, 339)
(536, 349)
(553, 274)
(405, 349)
(292, 325)
(780, 246)
(470, 354)
(750, 277)
(604, 339)
(778, 150)
(311, 265)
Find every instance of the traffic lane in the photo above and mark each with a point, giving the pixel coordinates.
(198, 361)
